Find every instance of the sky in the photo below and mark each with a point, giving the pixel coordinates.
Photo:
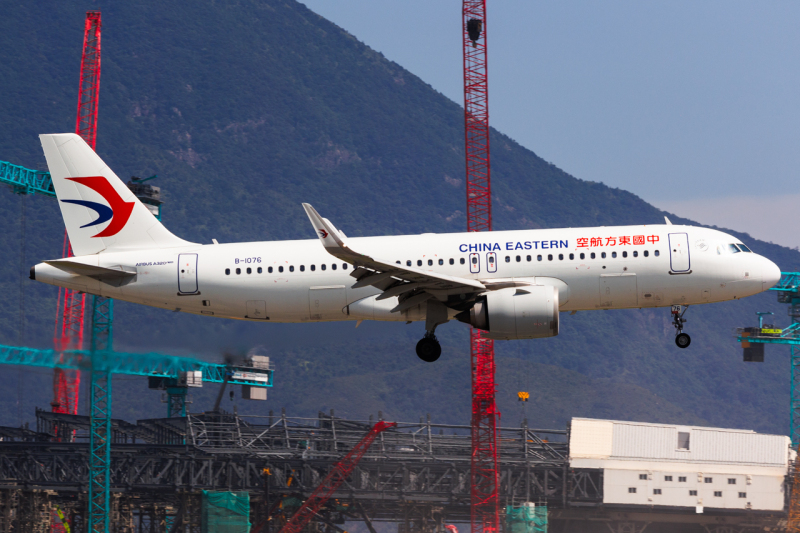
(693, 106)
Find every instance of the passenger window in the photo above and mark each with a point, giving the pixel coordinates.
(656, 253)
(519, 258)
(635, 253)
(344, 266)
(269, 270)
(538, 257)
(461, 260)
(441, 261)
(419, 262)
(560, 257)
(528, 258)
(291, 268)
(624, 254)
(646, 253)
(227, 271)
(238, 270)
(614, 255)
(592, 255)
(602, 255)
(313, 268)
(333, 266)
(398, 262)
(249, 270)
(583, 256)
(549, 257)
(259, 270)
(452, 262)
(508, 259)
(474, 260)
(430, 262)
(323, 266)
(302, 268)
(571, 256)
(408, 263)
(280, 269)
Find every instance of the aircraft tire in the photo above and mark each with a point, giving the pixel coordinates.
(682, 340)
(429, 349)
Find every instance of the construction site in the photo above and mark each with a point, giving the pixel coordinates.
(202, 468)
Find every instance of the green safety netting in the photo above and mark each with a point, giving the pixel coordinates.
(225, 512)
(526, 519)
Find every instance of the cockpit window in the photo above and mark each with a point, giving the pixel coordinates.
(732, 248)
(744, 248)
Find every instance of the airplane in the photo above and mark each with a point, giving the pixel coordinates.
(508, 284)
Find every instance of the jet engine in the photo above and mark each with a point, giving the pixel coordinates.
(529, 312)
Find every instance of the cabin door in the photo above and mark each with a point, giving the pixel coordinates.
(679, 260)
(187, 273)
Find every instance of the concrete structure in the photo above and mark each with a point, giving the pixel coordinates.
(682, 466)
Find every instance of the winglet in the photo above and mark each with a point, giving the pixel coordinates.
(667, 221)
(327, 232)
(331, 238)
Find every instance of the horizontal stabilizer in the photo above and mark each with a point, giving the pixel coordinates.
(115, 276)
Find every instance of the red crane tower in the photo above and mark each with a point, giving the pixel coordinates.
(71, 304)
(333, 480)
(484, 511)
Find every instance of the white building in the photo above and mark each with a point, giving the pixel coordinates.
(682, 466)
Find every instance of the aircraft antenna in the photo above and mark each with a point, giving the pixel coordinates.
(484, 502)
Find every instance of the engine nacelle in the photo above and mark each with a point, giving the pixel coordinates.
(516, 313)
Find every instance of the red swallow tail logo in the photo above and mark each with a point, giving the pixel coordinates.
(323, 233)
(117, 211)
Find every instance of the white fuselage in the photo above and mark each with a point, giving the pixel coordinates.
(298, 281)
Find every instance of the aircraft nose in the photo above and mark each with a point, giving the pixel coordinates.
(770, 275)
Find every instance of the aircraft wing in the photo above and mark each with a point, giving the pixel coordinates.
(411, 285)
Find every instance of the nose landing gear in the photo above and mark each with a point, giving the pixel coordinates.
(682, 340)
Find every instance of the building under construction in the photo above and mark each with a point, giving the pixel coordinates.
(166, 475)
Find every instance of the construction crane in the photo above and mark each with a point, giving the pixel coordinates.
(484, 513)
(333, 480)
(70, 310)
(754, 340)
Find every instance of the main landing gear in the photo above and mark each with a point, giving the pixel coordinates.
(681, 339)
(428, 348)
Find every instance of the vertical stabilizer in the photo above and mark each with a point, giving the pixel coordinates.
(101, 214)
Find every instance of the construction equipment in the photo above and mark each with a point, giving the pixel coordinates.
(72, 304)
(479, 218)
(754, 339)
(333, 480)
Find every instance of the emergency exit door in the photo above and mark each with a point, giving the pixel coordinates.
(679, 260)
(187, 273)
(474, 263)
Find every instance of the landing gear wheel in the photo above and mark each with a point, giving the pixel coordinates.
(683, 340)
(429, 349)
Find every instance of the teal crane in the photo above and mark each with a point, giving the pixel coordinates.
(175, 373)
(754, 340)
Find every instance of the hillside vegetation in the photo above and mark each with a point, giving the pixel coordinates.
(247, 108)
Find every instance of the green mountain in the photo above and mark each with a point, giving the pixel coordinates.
(247, 108)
